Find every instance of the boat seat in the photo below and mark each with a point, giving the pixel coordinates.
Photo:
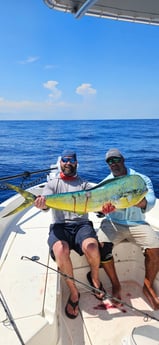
(144, 335)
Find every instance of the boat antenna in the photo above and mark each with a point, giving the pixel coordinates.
(89, 287)
(10, 317)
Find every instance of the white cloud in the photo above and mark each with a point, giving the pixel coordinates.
(25, 106)
(85, 90)
(52, 86)
(13, 106)
(50, 66)
(30, 59)
(52, 106)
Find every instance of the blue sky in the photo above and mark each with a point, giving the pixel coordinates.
(53, 66)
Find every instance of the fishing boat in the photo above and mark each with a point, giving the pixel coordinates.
(33, 293)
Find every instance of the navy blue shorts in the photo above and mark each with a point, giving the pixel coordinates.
(72, 233)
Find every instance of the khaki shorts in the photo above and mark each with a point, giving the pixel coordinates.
(142, 235)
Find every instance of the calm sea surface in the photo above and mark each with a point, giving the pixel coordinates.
(35, 145)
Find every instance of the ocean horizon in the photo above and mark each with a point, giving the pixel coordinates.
(31, 145)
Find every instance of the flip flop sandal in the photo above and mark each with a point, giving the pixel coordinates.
(95, 293)
(73, 305)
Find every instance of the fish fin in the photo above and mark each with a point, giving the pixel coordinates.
(29, 199)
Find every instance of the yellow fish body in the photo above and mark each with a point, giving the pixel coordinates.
(122, 192)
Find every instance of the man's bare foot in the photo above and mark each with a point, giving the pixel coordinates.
(116, 292)
(151, 296)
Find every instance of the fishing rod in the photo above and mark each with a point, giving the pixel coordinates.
(10, 317)
(89, 287)
(26, 174)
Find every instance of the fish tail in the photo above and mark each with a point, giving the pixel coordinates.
(29, 199)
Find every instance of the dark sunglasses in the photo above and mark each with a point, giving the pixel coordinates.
(114, 160)
(66, 160)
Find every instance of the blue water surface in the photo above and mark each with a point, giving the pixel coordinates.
(35, 145)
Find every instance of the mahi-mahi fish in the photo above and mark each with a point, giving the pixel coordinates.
(121, 192)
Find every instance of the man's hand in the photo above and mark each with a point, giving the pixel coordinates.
(40, 202)
(142, 204)
(107, 208)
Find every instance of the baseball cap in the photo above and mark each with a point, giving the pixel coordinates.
(113, 153)
(69, 153)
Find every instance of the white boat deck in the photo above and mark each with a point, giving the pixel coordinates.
(101, 323)
(25, 285)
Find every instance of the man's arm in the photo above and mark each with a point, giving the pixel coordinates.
(149, 200)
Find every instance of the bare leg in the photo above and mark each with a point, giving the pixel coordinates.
(109, 268)
(91, 250)
(62, 255)
(151, 269)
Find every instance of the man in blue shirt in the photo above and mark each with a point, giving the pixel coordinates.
(130, 224)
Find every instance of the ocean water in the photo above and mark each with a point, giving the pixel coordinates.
(35, 145)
